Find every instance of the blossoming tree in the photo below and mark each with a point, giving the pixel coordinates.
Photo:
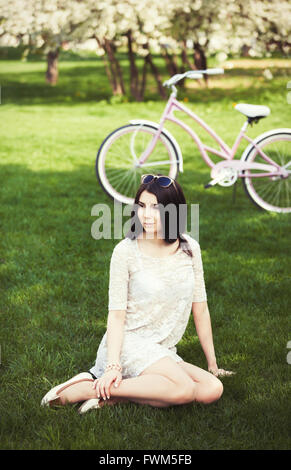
(188, 30)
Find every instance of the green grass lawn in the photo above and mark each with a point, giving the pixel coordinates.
(54, 275)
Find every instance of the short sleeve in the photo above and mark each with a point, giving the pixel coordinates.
(199, 294)
(118, 278)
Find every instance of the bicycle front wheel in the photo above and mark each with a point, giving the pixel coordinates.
(117, 167)
(271, 193)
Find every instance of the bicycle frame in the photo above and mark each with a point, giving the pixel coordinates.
(225, 152)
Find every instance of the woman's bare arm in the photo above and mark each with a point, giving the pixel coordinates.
(202, 322)
(115, 327)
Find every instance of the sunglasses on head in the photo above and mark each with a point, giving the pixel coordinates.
(163, 181)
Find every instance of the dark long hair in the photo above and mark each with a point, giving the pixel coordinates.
(165, 196)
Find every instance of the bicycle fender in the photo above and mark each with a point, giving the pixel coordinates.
(155, 125)
(261, 137)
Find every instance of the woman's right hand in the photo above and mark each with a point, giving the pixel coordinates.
(103, 384)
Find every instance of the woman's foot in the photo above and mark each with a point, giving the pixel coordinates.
(60, 395)
(94, 403)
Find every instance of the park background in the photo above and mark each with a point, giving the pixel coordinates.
(71, 72)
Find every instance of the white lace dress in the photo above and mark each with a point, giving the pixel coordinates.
(157, 294)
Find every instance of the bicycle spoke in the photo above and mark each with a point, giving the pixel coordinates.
(287, 193)
(274, 194)
(123, 179)
(266, 192)
(115, 178)
(129, 160)
(120, 185)
(133, 184)
(114, 170)
(130, 184)
(280, 156)
(118, 180)
(118, 157)
(276, 198)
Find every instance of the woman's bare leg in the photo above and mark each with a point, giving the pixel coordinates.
(210, 387)
(134, 389)
(162, 384)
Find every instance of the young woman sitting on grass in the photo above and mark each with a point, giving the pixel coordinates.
(154, 281)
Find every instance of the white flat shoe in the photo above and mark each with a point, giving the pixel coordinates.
(53, 394)
(89, 405)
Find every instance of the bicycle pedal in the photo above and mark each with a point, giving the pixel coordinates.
(215, 181)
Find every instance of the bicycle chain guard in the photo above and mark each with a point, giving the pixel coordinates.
(224, 176)
(230, 177)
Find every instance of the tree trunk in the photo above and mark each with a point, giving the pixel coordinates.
(112, 67)
(245, 50)
(133, 69)
(120, 75)
(108, 71)
(184, 56)
(117, 81)
(170, 62)
(156, 75)
(200, 60)
(52, 73)
(143, 81)
(186, 61)
(105, 62)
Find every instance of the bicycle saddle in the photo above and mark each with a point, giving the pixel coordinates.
(253, 111)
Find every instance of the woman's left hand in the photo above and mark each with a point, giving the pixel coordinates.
(220, 372)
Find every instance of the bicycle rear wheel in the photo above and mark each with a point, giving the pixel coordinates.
(271, 193)
(117, 167)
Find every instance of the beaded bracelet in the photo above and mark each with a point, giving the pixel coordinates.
(113, 366)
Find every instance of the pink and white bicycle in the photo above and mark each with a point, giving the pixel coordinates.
(148, 147)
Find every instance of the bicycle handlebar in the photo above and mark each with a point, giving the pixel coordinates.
(213, 71)
(194, 74)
